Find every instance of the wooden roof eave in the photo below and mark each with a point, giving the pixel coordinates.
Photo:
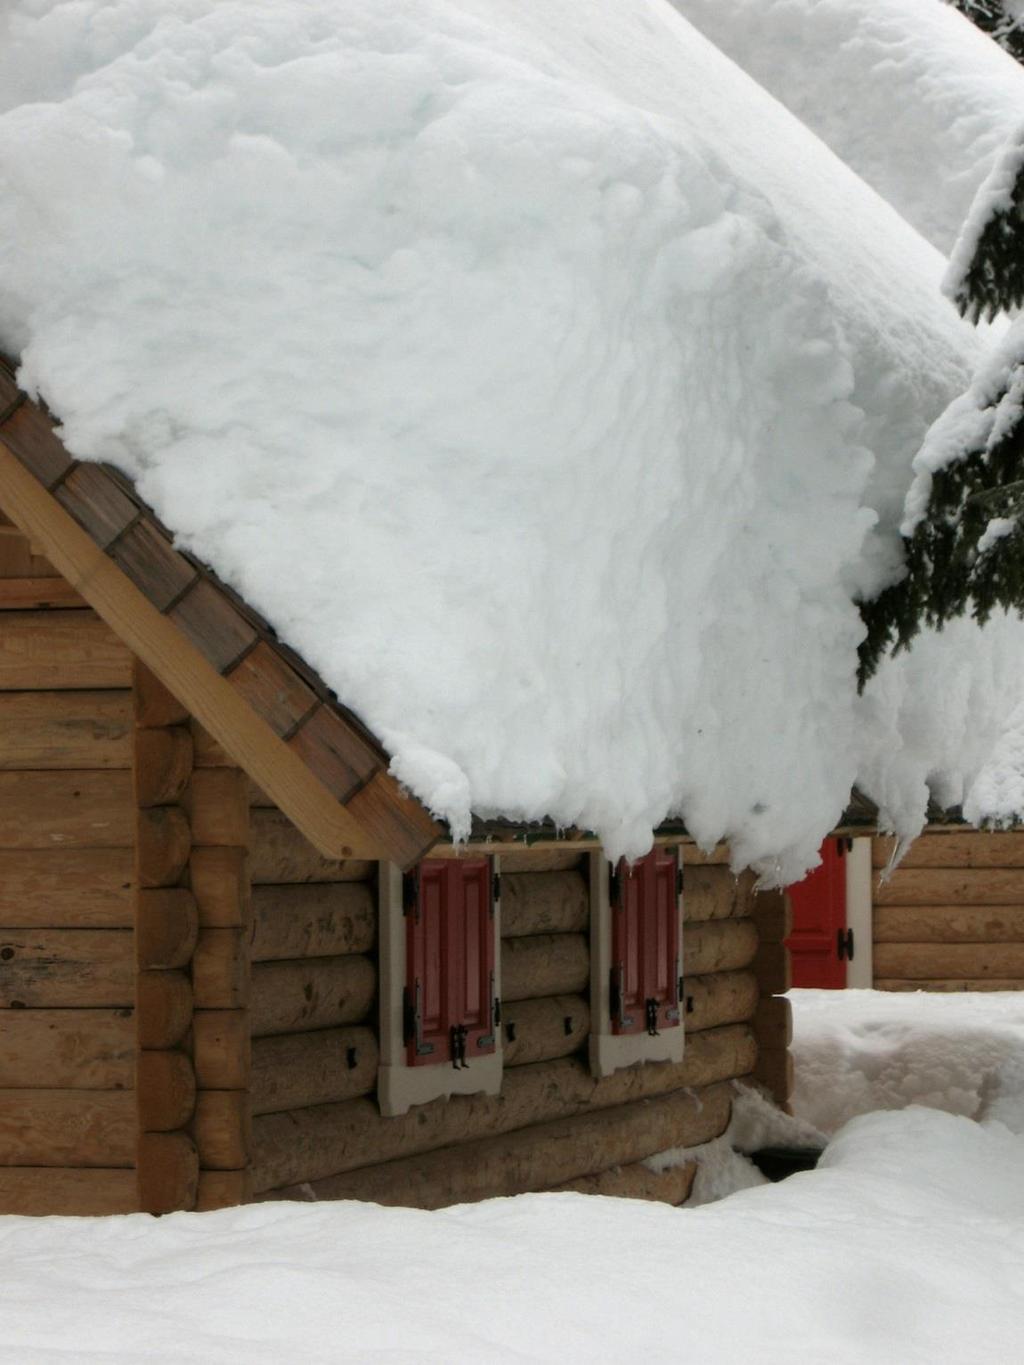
(323, 771)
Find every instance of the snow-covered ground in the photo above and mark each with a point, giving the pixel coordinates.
(905, 1246)
(856, 1051)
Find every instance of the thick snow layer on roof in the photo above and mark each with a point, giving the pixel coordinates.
(534, 372)
(908, 92)
(905, 1245)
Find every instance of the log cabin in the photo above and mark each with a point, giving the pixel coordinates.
(948, 917)
(238, 961)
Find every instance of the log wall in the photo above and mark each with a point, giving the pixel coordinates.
(317, 1131)
(951, 916)
(68, 1104)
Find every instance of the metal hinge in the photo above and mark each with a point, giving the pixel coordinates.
(412, 1021)
(617, 997)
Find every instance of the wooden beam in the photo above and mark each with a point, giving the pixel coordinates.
(65, 730)
(158, 642)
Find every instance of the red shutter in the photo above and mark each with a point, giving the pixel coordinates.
(820, 942)
(645, 944)
(449, 991)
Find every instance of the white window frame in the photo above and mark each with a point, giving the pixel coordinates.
(612, 1051)
(399, 1085)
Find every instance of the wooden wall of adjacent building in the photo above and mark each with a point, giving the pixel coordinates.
(67, 898)
(951, 916)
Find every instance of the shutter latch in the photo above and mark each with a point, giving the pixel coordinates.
(459, 1036)
(651, 1015)
(412, 1022)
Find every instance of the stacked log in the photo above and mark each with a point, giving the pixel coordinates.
(951, 917)
(218, 805)
(554, 1125)
(67, 889)
(166, 928)
(314, 971)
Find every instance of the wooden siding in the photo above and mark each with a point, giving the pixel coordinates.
(951, 916)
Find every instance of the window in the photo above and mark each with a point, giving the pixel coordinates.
(439, 982)
(636, 961)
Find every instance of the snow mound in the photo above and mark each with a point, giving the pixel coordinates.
(539, 380)
(909, 1237)
(858, 1051)
(908, 92)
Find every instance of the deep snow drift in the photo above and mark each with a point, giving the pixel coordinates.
(857, 1051)
(906, 1245)
(909, 93)
(527, 373)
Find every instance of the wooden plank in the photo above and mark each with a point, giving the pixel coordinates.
(220, 969)
(67, 1049)
(544, 903)
(222, 1049)
(965, 848)
(38, 594)
(949, 924)
(223, 1190)
(324, 992)
(163, 764)
(718, 946)
(166, 928)
(220, 884)
(637, 1181)
(293, 1071)
(48, 1190)
(67, 1128)
(218, 706)
(164, 842)
(154, 705)
(773, 968)
(163, 1008)
(712, 891)
(719, 998)
(953, 886)
(773, 1023)
(97, 503)
(274, 691)
(536, 1158)
(165, 1086)
(516, 858)
(313, 1143)
(65, 968)
(539, 1030)
(281, 853)
(344, 761)
(167, 1178)
(70, 810)
(217, 802)
(222, 1129)
(311, 920)
(544, 964)
(50, 888)
(995, 983)
(65, 730)
(60, 649)
(935, 961)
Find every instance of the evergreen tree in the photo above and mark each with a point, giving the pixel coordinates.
(1003, 19)
(966, 550)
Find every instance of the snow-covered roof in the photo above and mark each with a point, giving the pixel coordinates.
(535, 373)
(909, 93)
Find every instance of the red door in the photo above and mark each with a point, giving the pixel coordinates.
(820, 943)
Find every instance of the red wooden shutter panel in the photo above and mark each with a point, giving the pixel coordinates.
(819, 942)
(449, 998)
(645, 944)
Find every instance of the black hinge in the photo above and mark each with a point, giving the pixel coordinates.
(651, 1016)
(495, 890)
(679, 880)
(459, 1035)
(410, 893)
(614, 887)
(497, 1012)
(412, 1021)
(617, 997)
(844, 944)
